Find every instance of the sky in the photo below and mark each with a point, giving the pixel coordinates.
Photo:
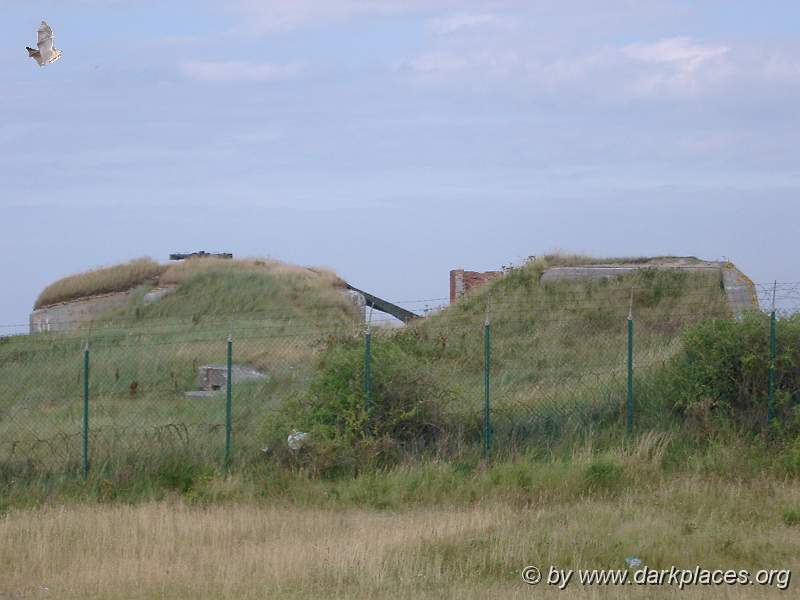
(395, 140)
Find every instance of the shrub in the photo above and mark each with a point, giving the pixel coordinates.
(724, 368)
(406, 413)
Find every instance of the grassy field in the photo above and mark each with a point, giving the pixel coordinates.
(419, 531)
(565, 486)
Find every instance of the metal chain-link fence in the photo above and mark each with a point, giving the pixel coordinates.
(508, 379)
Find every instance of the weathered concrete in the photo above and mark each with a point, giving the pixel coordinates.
(357, 298)
(215, 377)
(202, 394)
(74, 313)
(740, 291)
(158, 293)
(71, 315)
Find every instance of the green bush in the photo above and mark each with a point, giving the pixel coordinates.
(406, 412)
(723, 369)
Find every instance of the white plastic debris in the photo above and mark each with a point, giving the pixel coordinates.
(633, 562)
(296, 440)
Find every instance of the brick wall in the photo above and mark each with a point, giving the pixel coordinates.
(461, 281)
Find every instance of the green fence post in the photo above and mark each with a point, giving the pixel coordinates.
(86, 411)
(367, 372)
(629, 412)
(229, 405)
(773, 358)
(487, 407)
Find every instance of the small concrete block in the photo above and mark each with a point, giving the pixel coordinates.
(201, 394)
(215, 377)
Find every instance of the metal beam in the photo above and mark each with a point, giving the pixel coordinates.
(385, 306)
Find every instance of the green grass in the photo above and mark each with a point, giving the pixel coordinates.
(558, 365)
(564, 484)
(276, 313)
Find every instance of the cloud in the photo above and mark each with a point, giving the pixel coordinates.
(671, 67)
(466, 21)
(676, 50)
(678, 66)
(267, 16)
(239, 71)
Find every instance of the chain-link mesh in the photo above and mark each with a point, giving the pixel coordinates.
(545, 369)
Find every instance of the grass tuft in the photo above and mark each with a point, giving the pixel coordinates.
(104, 280)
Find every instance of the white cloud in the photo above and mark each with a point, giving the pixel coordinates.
(239, 71)
(677, 66)
(675, 50)
(671, 67)
(467, 21)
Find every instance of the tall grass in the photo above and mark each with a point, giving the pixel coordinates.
(420, 531)
(103, 280)
(557, 368)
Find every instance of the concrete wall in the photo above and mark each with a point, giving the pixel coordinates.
(359, 301)
(740, 291)
(73, 314)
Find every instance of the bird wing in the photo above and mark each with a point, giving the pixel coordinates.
(45, 42)
(36, 55)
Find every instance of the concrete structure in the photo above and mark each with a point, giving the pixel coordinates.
(158, 293)
(71, 315)
(215, 377)
(461, 281)
(740, 291)
(357, 298)
(66, 316)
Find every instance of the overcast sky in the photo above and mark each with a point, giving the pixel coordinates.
(393, 140)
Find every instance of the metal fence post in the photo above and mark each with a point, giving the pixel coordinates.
(86, 410)
(629, 411)
(367, 371)
(229, 405)
(487, 407)
(773, 358)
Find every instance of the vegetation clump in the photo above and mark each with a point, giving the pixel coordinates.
(347, 427)
(105, 280)
(723, 369)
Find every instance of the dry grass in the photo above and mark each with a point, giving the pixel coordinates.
(128, 275)
(100, 281)
(174, 550)
(181, 271)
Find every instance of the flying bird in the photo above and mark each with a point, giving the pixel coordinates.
(46, 53)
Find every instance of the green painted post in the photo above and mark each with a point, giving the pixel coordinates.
(86, 411)
(629, 415)
(367, 372)
(487, 406)
(229, 406)
(773, 358)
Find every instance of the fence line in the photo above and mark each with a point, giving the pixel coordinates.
(133, 393)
